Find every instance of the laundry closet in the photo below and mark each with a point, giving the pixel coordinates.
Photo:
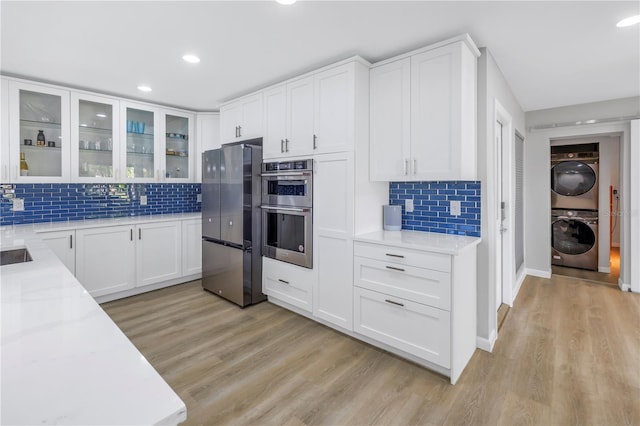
(585, 223)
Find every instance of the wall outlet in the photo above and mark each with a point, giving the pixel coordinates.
(143, 200)
(18, 205)
(408, 205)
(198, 198)
(454, 208)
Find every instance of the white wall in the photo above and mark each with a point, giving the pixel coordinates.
(609, 175)
(492, 87)
(537, 178)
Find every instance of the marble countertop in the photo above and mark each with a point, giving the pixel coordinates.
(64, 361)
(426, 241)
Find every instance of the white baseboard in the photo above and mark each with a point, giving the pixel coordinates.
(487, 344)
(604, 269)
(538, 272)
(623, 286)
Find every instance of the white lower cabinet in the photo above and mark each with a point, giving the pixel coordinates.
(289, 283)
(415, 328)
(191, 247)
(106, 259)
(419, 302)
(62, 243)
(158, 255)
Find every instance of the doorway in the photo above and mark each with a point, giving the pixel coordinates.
(607, 218)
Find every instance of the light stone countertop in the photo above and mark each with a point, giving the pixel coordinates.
(64, 361)
(417, 240)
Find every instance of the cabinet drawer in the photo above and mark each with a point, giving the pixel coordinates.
(403, 256)
(289, 283)
(420, 285)
(417, 329)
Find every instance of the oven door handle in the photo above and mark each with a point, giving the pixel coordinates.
(285, 174)
(287, 209)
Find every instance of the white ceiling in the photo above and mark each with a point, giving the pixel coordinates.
(551, 53)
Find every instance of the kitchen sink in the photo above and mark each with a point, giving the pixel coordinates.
(8, 257)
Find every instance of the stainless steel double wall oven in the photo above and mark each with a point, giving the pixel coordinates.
(287, 211)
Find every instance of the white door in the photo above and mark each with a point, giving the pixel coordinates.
(300, 138)
(62, 243)
(334, 109)
(390, 110)
(106, 259)
(275, 122)
(501, 210)
(158, 252)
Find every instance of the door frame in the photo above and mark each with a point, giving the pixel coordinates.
(504, 187)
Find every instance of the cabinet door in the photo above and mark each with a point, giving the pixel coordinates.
(333, 242)
(95, 138)
(158, 252)
(275, 122)
(62, 243)
(251, 124)
(230, 119)
(178, 148)
(39, 130)
(334, 109)
(191, 247)
(435, 114)
(299, 136)
(106, 259)
(417, 329)
(140, 151)
(390, 109)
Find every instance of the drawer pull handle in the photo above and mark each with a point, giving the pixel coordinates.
(393, 302)
(283, 281)
(395, 269)
(395, 255)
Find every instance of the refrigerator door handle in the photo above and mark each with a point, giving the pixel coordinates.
(287, 209)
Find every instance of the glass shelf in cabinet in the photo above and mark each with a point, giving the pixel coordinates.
(45, 124)
(89, 129)
(140, 153)
(39, 148)
(89, 150)
(140, 135)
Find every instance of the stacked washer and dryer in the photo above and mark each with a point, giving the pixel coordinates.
(574, 206)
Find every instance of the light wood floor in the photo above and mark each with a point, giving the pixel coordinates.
(568, 354)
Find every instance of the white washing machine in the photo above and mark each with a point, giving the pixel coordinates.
(574, 178)
(574, 238)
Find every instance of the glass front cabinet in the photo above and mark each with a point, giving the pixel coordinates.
(179, 158)
(95, 139)
(140, 142)
(38, 133)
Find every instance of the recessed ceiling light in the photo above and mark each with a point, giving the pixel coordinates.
(192, 59)
(144, 88)
(627, 22)
(100, 115)
(590, 121)
(286, 2)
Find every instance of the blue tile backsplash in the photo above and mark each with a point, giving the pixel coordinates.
(63, 202)
(431, 206)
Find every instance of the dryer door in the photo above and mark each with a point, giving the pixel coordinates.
(570, 236)
(572, 178)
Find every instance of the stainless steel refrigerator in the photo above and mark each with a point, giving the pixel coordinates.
(231, 222)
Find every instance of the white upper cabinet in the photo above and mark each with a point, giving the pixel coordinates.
(178, 161)
(39, 132)
(241, 119)
(423, 110)
(208, 137)
(95, 139)
(288, 119)
(334, 109)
